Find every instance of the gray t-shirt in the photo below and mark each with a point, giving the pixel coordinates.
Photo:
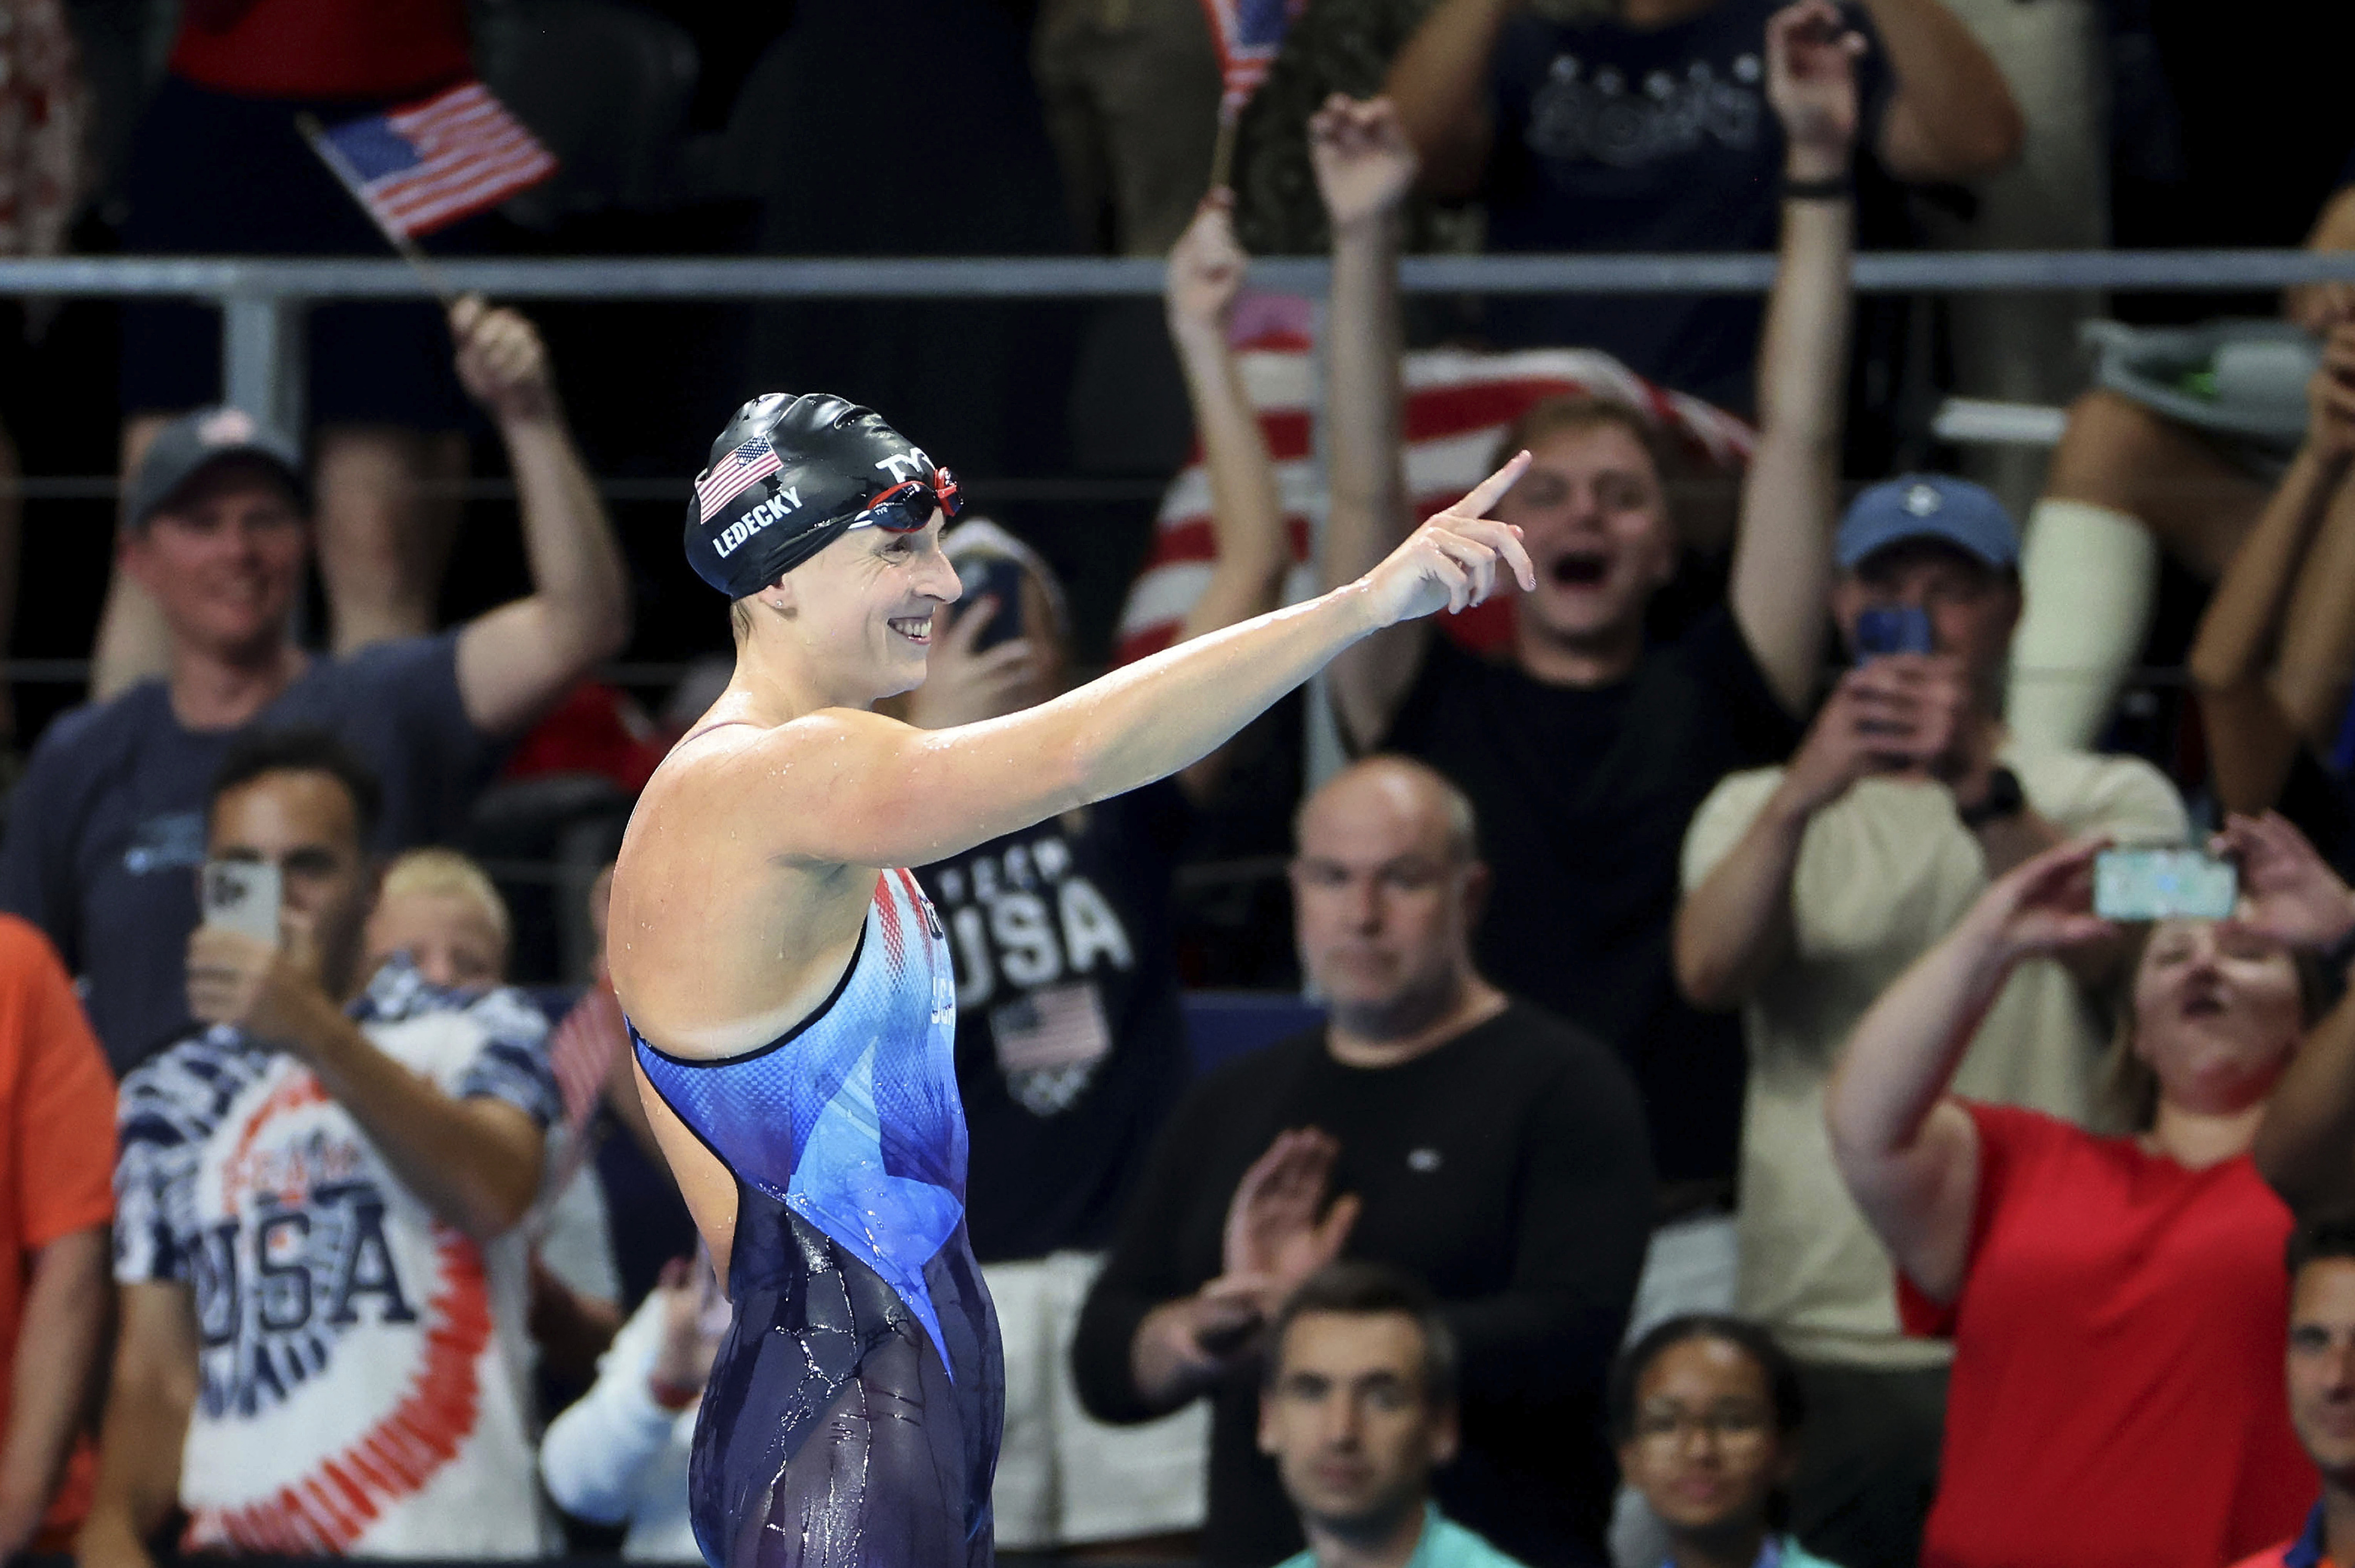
(108, 825)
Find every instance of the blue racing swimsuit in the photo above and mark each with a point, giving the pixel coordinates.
(852, 1417)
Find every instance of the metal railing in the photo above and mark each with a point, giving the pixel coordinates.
(262, 300)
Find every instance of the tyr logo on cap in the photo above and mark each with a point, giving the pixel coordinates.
(1923, 499)
(227, 428)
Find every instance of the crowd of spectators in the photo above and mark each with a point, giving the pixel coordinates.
(1726, 1134)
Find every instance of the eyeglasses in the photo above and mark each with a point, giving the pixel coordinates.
(1665, 1427)
(908, 505)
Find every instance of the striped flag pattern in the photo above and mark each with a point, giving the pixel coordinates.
(727, 479)
(425, 166)
(1458, 403)
(581, 1049)
(1246, 34)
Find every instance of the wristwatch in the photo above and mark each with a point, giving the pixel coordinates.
(2005, 799)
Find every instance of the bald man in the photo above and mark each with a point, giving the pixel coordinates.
(1433, 1123)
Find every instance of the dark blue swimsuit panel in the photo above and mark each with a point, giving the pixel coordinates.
(853, 1414)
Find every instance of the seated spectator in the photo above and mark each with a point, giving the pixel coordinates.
(619, 1455)
(1356, 1410)
(322, 1347)
(108, 825)
(56, 1149)
(2126, 483)
(1434, 1123)
(438, 909)
(2116, 1302)
(1645, 127)
(1586, 753)
(2275, 653)
(1810, 888)
(1706, 1413)
(2321, 1368)
(1071, 1048)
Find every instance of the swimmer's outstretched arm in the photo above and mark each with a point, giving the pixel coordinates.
(850, 787)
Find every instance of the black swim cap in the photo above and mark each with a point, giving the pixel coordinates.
(790, 475)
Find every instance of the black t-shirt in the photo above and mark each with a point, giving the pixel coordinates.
(1506, 1169)
(108, 826)
(1611, 139)
(1583, 794)
(1071, 1048)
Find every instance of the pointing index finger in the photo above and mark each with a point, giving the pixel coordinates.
(1487, 493)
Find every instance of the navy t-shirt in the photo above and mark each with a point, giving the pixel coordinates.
(108, 826)
(1071, 1048)
(1583, 794)
(1609, 139)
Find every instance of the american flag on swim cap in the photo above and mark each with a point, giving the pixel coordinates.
(728, 478)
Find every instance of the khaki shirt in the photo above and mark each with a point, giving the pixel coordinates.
(1883, 873)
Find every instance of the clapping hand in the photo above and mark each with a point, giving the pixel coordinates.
(1364, 163)
(1811, 54)
(2288, 893)
(963, 686)
(1280, 1229)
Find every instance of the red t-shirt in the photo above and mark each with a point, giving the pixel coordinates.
(322, 49)
(2117, 1398)
(57, 1153)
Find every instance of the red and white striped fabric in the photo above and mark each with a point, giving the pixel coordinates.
(581, 1049)
(1458, 403)
(1246, 34)
(427, 165)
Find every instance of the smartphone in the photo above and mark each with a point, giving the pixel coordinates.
(1893, 629)
(242, 895)
(1001, 576)
(2135, 885)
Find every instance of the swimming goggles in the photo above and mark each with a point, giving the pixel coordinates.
(908, 505)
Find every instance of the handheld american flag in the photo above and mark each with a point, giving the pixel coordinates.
(1247, 33)
(727, 479)
(427, 165)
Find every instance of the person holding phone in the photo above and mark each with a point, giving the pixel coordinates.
(1810, 887)
(2116, 1302)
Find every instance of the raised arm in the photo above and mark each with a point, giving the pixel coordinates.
(1781, 552)
(844, 786)
(2253, 733)
(516, 661)
(1909, 1155)
(1206, 272)
(1440, 83)
(1951, 116)
(1364, 168)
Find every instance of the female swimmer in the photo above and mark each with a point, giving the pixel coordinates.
(789, 988)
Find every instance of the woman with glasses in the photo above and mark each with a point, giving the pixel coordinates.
(1706, 1412)
(789, 987)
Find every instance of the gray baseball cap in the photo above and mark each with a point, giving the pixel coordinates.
(1927, 506)
(193, 442)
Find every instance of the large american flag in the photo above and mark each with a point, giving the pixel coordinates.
(727, 479)
(1246, 34)
(1458, 403)
(427, 165)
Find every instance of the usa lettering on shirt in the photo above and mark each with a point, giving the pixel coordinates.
(362, 1366)
(1030, 929)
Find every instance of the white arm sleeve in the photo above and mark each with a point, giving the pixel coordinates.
(596, 1452)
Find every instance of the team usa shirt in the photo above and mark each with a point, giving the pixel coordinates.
(364, 1382)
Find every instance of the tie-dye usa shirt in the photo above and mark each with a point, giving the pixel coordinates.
(364, 1385)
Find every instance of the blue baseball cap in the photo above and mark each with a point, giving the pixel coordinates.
(1927, 506)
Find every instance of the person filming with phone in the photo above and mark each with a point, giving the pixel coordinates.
(1810, 887)
(2116, 1303)
(321, 1271)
